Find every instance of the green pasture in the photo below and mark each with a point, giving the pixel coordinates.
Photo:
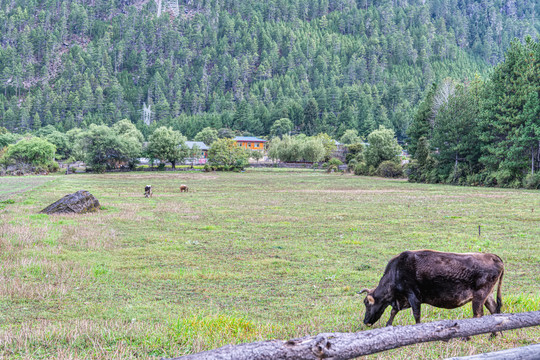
(241, 257)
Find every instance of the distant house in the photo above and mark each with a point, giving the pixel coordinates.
(250, 142)
(203, 148)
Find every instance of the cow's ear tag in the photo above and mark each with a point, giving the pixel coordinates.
(370, 299)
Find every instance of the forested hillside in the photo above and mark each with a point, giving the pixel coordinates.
(328, 65)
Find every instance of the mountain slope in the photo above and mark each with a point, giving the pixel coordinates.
(243, 64)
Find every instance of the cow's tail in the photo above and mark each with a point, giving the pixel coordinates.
(499, 299)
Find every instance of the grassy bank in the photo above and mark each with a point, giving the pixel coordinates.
(241, 257)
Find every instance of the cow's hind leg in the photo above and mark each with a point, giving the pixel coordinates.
(491, 305)
(415, 307)
(478, 303)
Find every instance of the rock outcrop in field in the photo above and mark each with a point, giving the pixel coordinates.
(78, 203)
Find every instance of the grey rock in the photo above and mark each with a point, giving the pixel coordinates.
(80, 202)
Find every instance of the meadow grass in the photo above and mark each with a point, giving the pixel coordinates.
(242, 257)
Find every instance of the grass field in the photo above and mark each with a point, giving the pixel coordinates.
(241, 257)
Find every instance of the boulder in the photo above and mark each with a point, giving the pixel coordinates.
(77, 203)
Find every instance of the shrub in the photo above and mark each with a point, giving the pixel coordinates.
(97, 168)
(504, 177)
(103, 147)
(382, 146)
(53, 167)
(352, 164)
(354, 151)
(333, 165)
(390, 169)
(532, 181)
(412, 171)
(225, 153)
(361, 169)
(33, 151)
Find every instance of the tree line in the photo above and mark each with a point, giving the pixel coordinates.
(485, 131)
(326, 65)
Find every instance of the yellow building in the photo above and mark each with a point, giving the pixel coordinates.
(250, 142)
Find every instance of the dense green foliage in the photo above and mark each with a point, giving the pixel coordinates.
(483, 132)
(225, 154)
(167, 145)
(103, 147)
(207, 135)
(7, 138)
(327, 65)
(301, 148)
(350, 137)
(32, 151)
(382, 147)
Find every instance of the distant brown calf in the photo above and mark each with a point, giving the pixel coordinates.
(148, 191)
(184, 188)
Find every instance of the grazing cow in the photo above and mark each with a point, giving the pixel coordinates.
(184, 188)
(148, 191)
(444, 280)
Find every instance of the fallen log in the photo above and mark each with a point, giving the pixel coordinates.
(342, 346)
(531, 352)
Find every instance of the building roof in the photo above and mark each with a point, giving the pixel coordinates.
(249, 138)
(200, 145)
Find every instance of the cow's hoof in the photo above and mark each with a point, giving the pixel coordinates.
(466, 338)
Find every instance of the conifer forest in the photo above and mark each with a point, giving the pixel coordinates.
(327, 65)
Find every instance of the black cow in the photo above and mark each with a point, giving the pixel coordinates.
(444, 280)
(148, 191)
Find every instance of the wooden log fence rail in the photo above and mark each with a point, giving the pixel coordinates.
(531, 352)
(342, 346)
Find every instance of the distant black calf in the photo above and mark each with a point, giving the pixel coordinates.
(148, 191)
(443, 280)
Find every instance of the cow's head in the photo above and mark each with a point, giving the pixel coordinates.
(375, 306)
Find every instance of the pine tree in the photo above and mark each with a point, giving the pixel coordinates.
(422, 122)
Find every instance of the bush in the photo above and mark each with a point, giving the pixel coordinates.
(32, 151)
(504, 177)
(354, 151)
(390, 169)
(382, 146)
(361, 169)
(104, 147)
(412, 171)
(333, 165)
(97, 168)
(227, 155)
(532, 181)
(53, 167)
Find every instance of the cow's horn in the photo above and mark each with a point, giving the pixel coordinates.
(364, 290)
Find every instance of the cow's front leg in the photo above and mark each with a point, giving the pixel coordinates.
(415, 307)
(392, 315)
